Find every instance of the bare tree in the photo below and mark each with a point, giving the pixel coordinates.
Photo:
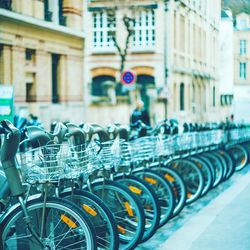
(129, 24)
(126, 8)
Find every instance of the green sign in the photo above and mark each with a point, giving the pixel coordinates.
(6, 102)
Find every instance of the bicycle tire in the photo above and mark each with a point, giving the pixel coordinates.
(217, 165)
(207, 173)
(100, 216)
(127, 210)
(240, 155)
(64, 223)
(148, 199)
(223, 163)
(230, 163)
(178, 186)
(163, 191)
(192, 176)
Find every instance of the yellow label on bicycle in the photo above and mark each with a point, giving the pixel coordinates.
(169, 177)
(128, 208)
(243, 160)
(189, 195)
(175, 191)
(121, 229)
(135, 190)
(199, 165)
(150, 180)
(89, 210)
(175, 165)
(68, 221)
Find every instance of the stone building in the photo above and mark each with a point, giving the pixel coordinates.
(241, 104)
(60, 57)
(226, 63)
(41, 55)
(174, 53)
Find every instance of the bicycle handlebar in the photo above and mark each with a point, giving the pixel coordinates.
(8, 153)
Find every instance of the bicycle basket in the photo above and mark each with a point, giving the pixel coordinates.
(43, 164)
(109, 154)
(79, 160)
(143, 148)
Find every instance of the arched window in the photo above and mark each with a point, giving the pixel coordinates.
(144, 81)
(99, 87)
(182, 97)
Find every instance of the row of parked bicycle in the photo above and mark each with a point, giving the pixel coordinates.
(89, 187)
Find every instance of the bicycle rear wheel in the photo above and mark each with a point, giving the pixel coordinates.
(58, 223)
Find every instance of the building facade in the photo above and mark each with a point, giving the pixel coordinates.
(241, 103)
(41, 55)
(174, 51)
(226, 82)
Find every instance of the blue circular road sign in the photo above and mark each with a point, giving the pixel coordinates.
(128, 77)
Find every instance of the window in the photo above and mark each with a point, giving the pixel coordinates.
(144, 29)
(193, 97)
(100, 85)
(29, 54)
(143, 82)
(182, 97)
(55, 75)
(226, 100)
(102, 28)
(243, 23)
(6, 4)
(53, 11)
(243, 47)
(30, 87)
(47, 12)
(243, 71)
(62, 18)
(214, 96)
(182, 33)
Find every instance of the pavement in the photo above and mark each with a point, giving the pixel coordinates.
(218, 221)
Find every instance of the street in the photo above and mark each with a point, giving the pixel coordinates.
(218, 221)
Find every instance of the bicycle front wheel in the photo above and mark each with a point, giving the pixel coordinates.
(127, 210)
(99, 215)
(58, 223)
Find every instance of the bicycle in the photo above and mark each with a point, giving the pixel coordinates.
(37, 222)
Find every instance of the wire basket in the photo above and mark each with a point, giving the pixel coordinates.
(53, 162)
(169, 146)
(143, 149)
(80, 160)
(109, 154)
(126, 154)
(43, 164)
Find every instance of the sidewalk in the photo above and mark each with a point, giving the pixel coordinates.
(222, 225)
